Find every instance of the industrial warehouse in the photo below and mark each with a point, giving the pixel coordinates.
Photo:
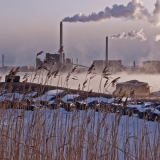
(64, 64)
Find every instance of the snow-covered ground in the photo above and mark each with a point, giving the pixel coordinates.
(100, 99)
(101, 126)
(131, 129)
(69, 97)
(51, 94)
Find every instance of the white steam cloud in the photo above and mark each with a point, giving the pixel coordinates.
(157, 38)
(134, 10)
(132, 35)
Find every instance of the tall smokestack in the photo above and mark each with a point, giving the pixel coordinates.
(106, 50)
(61, 42)
(61, 34)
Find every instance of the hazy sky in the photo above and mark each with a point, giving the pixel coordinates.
(27, 27)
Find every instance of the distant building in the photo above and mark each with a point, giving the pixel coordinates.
(51, 58)
(132, 69)
(67, 65)
(99, 65)
(115, 66)
(151, 66)
(64, 65)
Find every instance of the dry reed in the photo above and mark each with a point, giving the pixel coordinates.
(57, 134)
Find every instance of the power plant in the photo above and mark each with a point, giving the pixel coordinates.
(66, 64)
(62, 63)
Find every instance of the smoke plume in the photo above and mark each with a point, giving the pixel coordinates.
(157, 38)
(134, 10)
(156, 14)
(132, 35)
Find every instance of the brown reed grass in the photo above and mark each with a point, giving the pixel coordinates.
(57, 134)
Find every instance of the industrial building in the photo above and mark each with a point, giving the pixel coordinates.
(50, 58)
(148, 67)
(113, 65)
(61, 63)
(151, 66)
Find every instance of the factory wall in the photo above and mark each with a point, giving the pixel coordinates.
(151, 66)
(50, 59)
(115, 66)
(99, 65)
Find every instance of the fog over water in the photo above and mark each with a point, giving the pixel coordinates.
(152, 80)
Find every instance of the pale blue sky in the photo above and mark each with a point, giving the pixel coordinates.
(29, 26)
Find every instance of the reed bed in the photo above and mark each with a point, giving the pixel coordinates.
(56, 134)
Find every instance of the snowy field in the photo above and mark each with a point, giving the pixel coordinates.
(79, 134)
(55, 133)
